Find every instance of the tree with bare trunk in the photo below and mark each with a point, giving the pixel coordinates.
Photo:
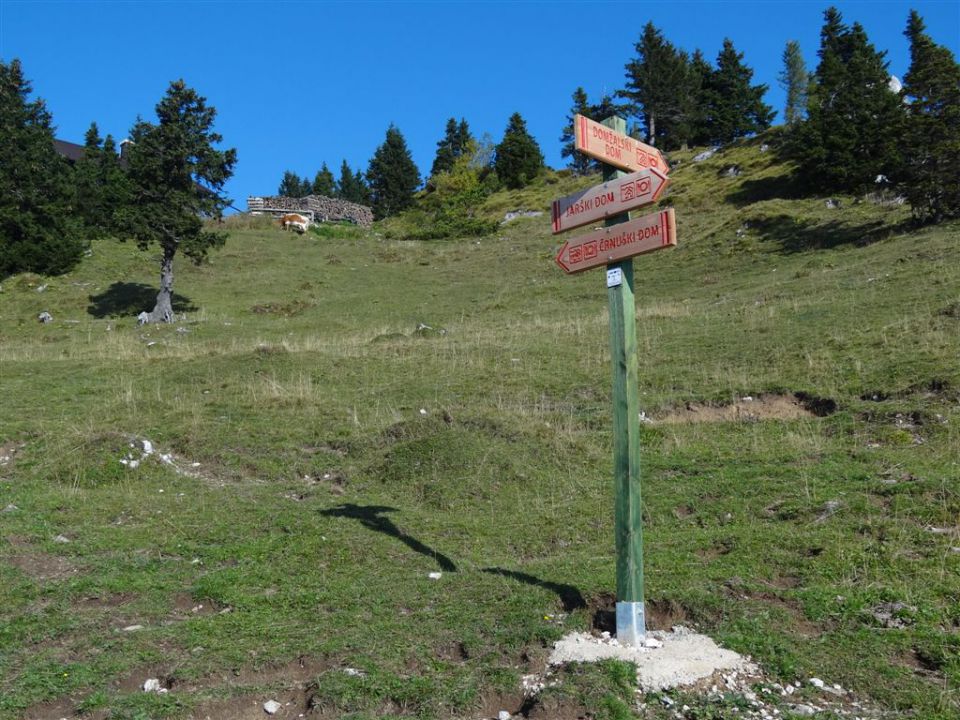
(176, 176)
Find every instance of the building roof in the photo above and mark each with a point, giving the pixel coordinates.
(71, 151)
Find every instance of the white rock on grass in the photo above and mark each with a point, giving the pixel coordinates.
(153, 685)
(503, 715)
(435, 575)
(62, 539)
(817, 683)
(271, 707)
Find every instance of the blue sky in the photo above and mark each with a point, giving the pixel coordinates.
(299, 83)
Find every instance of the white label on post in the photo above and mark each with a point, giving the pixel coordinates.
(614, 277)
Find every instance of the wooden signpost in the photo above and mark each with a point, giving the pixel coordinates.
(614, 246)
(612, 198)
(615, 148)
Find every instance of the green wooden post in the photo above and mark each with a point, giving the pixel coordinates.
(631, 623)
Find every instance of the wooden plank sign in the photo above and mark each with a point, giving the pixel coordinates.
(618, 242)
(611, 198)
(613, 148)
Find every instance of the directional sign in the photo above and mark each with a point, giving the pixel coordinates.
(617, 196)
(608, 245)
(615, 148)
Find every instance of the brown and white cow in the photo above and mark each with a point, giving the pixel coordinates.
(295, 221)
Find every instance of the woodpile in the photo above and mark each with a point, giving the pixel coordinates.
(317, 207)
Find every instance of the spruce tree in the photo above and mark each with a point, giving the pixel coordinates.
(456, 142)
(291, 185)
(653, 77)
(735, 107)
(346, 187)
(579, 163)
(392, 175)
(100, 184)
(362, 189)
(323, 183)
(518, 158)
(794, 80)
(465, 143)
(853, 120)
(176, 174)
(39, 231)
(443, 162)
(931, 180)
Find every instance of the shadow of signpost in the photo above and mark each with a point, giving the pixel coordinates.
(570, 597)
(372, 517)
(122, 299)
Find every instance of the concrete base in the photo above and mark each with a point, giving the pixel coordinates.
(631, 624)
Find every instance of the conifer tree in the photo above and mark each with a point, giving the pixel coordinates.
(100, 184)
(38, 228)
(323, 183)
(346, 186)
(465, 142)
(176, 174)
(579, 163)
(690, 125)
(292, 186)
(392, 175)
(853, 120)
(931, 179)
(456, 141)
(794, 80)
(735, 107)
(518, 159)
(362, 189)
(652, 80)
(443, 162)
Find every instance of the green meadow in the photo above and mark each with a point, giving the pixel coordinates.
(336, 416)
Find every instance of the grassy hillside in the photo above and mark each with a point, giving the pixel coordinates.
(347, 414)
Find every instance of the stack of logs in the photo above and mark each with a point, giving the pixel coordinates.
(317, 207)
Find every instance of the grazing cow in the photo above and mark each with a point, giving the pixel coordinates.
(295, 221)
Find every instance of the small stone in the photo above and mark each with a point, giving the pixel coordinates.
(133, 628)
(61, 539)
(817, 683)
(151, 685)
(353, 672)
(45, 317)
(651, 642)
(10, 508)
(270, 707)
(147, 447)
(503, 715)
(435, 575)
(423, 411)
(804, 710)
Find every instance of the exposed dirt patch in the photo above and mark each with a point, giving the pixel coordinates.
(294, 703)
(334, 481)
(661, 614)
(294, 673)
(185, 606)
(8, 452)
(752, 409)
(108, 601)
(453, 652)
(62, 708)
(41, 566)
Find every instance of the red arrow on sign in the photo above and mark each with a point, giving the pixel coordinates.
(616, 196)
(609, 245)
(600, 142)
